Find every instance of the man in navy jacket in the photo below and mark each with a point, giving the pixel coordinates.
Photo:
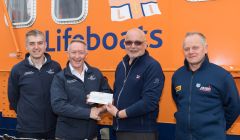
(70, 87)
(138, 86)
(29, 90)
(205, 94)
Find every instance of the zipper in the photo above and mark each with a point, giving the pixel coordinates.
(189, 107)
(124, 82)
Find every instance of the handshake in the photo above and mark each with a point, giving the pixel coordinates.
(106, 99)
(99, 98)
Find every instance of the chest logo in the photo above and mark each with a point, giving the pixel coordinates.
(92, 77)
(206, 89)
(71, 81)
(138, 76)
(50, 71)
(28, 73)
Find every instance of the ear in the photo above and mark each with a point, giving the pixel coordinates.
(206, 49)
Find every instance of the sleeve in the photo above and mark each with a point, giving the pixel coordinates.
(152, 90)
(230, 101)
(174, 95)
(13, 89)
(60, 104)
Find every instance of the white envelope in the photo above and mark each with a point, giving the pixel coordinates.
(100, 97)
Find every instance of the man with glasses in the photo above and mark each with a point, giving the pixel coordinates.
(139, 81)
(205, 94)
(77, 120)
(29, 90)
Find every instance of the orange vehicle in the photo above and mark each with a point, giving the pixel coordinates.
(103, 24)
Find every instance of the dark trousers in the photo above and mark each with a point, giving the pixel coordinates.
(50, 135)
(136, 136)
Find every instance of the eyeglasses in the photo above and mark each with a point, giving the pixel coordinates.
(136, 42)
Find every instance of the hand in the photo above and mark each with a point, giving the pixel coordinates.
(112, 109)
(94, 114)
(87, 102)
(102, 108)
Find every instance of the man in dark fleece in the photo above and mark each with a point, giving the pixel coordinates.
(205, 94)
(29, 90)
(138, 86)
(77, 120)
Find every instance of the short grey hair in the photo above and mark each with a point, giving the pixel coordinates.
(79, 41)
(202, 36)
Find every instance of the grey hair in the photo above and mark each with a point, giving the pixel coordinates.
(79, 41)
(34, 32)
(202, 36)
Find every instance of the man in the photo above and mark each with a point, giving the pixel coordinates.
(70, 87)
(205, 94)
(138, 85)
(29, 89)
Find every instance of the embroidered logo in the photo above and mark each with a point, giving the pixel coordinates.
(71, 81)
(178, 88)
(92, 77)
(156, 81)
(206, 89)
(28, 73)
(50, 71)
(138, 76)
(198, 85)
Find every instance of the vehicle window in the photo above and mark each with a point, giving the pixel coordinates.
(69, 11)
(21, 12)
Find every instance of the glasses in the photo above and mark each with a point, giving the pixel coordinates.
(136, 42)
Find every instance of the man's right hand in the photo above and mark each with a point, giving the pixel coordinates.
(94, 114)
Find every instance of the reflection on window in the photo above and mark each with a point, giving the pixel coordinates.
(20, 11)
(69, 11)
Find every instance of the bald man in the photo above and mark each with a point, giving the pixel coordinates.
(139, 81)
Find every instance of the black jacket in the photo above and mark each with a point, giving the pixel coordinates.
(68, 98)
(29, 95)
(207, 102)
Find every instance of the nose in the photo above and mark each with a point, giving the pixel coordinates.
(35, 46)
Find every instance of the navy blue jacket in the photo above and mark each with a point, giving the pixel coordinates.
(29, 95)
(138, 89)
(207, 102)
(68, 98)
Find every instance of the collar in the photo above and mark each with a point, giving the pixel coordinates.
(85, 68)
(31, 63)
(203, 65)
(126, 57)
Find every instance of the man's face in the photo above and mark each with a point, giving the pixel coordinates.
(77, 54)
(36, 46)
(194, 49)
(135, 44)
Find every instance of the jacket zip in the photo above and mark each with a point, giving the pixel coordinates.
(125, 79)
(189, 107)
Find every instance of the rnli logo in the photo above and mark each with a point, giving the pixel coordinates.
(127, 9)
(138, 77)
(92, 77)
(28, 73)
(71, 81)
(50, 71)
(178, 88)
